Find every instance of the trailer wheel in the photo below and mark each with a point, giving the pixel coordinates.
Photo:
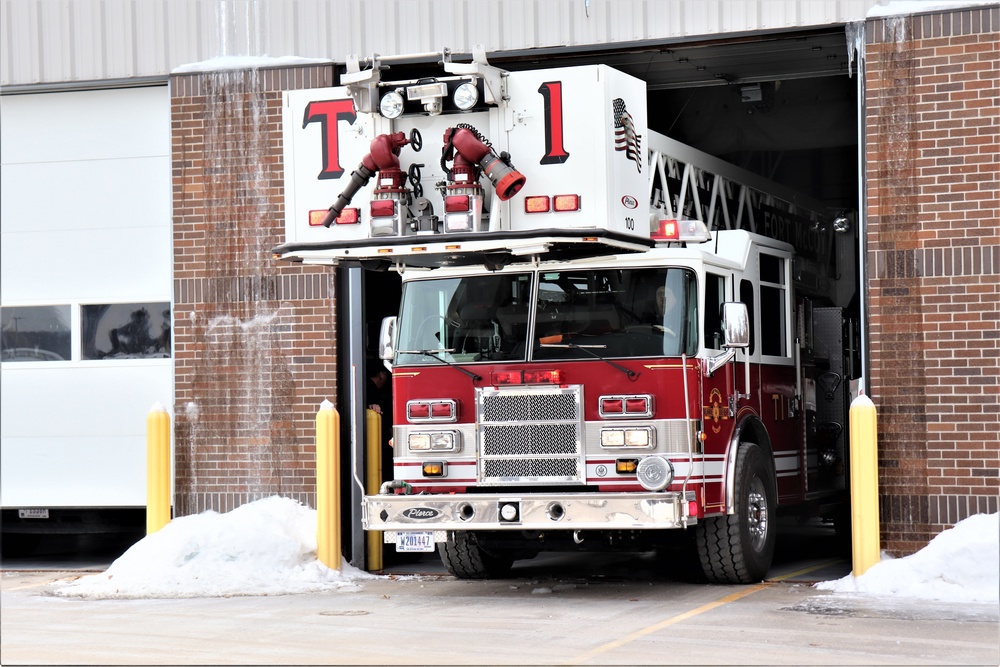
(738, 548)
(465, 559)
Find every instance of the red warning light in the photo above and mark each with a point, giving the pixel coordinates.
(456, 204)
(668, 231)
(536, 204)
(383, 208)
(566, 202)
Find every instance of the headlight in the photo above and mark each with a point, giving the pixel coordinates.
(612, 438)
(391, 105)
(419, 442)
(440, 441)
(640, 436)
(466, 96)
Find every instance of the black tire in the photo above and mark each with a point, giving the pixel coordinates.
(738, 548)
(465, 559)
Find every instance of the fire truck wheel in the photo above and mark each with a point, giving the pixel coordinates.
(465, 559)
(737, 548)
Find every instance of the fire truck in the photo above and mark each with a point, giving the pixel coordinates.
(605, 337)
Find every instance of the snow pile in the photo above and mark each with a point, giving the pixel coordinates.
(267, 547)
(961, 564)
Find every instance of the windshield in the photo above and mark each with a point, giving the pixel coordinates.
(639, 312)
(475, 318)
(616, 313)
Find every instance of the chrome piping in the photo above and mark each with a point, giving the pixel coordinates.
(687, 420)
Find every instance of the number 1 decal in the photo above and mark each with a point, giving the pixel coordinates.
(555, 153)
(328, 114)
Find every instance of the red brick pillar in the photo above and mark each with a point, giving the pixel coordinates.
(255, 350)
(933, 141)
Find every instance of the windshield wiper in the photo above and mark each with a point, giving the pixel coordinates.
(632, 375)
(436, 354)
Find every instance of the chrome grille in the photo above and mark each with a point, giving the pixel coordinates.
(531, 468)
(530, 435)
(529, 407)
(528, 439)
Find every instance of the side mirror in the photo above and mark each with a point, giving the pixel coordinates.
(736, 334)
(735, 325)
(387, 339)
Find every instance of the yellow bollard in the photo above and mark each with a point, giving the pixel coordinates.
(157, 468)
(865, 525)
(328, 486)
(373, 480)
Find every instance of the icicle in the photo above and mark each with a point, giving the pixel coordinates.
(855, 44)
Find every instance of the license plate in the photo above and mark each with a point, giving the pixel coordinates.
(33, 514)
(415, 541)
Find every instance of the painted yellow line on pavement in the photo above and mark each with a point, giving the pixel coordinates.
(610, 646)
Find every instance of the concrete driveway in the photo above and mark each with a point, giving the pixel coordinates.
(608, 609)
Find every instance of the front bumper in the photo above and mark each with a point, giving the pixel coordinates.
(548, 511)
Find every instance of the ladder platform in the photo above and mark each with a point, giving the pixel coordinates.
(492, 249)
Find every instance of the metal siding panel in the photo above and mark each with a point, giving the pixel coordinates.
(47, 41)
(23, 52)
(150, 39)
(88, 39)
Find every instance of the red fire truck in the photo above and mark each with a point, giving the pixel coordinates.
(618, 339)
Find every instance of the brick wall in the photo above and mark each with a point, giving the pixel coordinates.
(255, 352)
(933, 142)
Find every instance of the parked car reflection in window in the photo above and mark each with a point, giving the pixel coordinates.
(35, 333)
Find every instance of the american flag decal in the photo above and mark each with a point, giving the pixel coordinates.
(626, 138)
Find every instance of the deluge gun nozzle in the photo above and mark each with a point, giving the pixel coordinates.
(383, 154)
(506, 180)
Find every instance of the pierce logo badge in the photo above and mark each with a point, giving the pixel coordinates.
(421, 513)
(628, 201)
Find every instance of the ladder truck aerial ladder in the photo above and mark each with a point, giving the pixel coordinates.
(611, 339)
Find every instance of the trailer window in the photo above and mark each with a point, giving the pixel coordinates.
(468, 319)
(35, 333)
(125, 331)
(641, 312)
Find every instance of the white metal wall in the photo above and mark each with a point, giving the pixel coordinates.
(50, 41)
(86, 219)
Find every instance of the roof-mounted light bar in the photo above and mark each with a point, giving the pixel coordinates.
(465, 87)
(685, 231)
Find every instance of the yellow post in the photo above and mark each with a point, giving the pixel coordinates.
(157, 468)
(864, 485)
(328, 486)
(373, 480)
